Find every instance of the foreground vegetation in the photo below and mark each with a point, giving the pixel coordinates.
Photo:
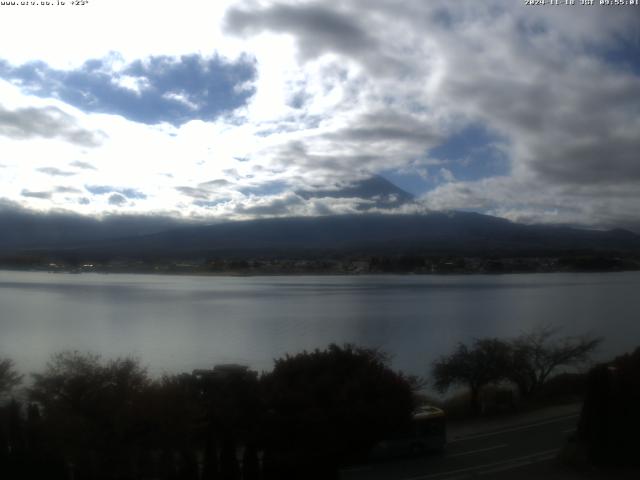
(525, 363)
(610, 421)
(86, 418)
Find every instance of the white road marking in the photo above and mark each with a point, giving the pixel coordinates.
(513, 429)
(495, 466)
(471, 452)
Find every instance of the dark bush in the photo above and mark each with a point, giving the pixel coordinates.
(328, 407)
(610, 419)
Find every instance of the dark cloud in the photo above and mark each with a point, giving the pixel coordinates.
(82, 165)
(55, 172)
(320, 28)
(161, 89)
(210, 203)
(376, 192)
(117, 200)
(130, 193)
(597, 159)
(30, 194)
(273, 187)
(271, 207)
(296, 153)
(581, 131)
(388, 126)
(45, 122)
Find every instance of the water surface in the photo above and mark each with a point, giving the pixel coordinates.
(177, 323)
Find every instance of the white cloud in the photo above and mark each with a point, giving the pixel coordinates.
(135, 84)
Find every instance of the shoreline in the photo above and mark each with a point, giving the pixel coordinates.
(196, 273)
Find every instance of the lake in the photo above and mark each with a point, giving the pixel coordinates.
(178, 323)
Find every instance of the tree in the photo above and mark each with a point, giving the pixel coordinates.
(91, 409)
(327, 406)
(537, 354)
(83, 382)
(483, 363)
(9, 378)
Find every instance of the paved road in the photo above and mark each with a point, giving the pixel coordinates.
(514, 447)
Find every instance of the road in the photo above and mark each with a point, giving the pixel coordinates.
(517, 447)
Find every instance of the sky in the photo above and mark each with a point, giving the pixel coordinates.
(229, 110)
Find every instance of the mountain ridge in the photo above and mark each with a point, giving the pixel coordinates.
(383, 232)
(460, 233)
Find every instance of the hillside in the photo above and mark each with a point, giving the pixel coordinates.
(455, 233)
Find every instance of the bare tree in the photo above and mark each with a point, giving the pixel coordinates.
(483, 363)
(537, 354)
(9, 378)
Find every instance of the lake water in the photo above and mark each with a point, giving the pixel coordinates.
(178, 323)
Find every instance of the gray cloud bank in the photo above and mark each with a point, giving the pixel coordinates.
(552, 85)
(45, 122)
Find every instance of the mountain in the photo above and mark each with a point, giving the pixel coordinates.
(22, 229)
(375, 192)
(25, 229)
(454, 233)
(437, 233)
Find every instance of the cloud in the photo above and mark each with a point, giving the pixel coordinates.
(117, 200)
(153, 90)
(561, 121)
(198, 193)
(526, 113)
(82, 165)
(397, 128)
(130, 193)
(218, 182)
(45, 122)
(271, 207)
(55, 172)
(447, 175)
(293, 204)
(39, 195)
(319, 28)
(372, 193)
(62, 189)
(210, 193)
